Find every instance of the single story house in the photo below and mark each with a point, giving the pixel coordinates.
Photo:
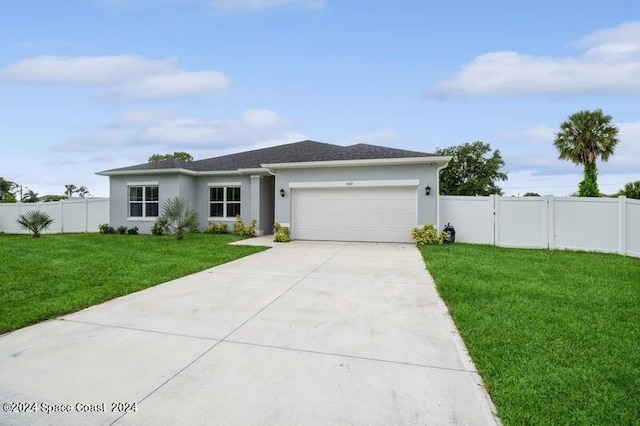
(320, 191)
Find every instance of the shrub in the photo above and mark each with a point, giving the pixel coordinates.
(178, 217)
(217, 228)
(158, 227)
(105, 228)
(121, 230)
(35, 221)
(427, 235)
(282, 233)
(240, 228)
(133, 231)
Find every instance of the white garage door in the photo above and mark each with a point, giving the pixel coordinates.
(384, 214)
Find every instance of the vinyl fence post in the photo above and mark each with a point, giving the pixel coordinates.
(551, 222)
(622, 225)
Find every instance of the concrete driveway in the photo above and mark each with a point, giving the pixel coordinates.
(304, 333)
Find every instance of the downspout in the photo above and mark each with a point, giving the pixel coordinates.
(438, 193)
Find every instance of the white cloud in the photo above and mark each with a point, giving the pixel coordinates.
(228, 6)
(178, 85)
(610, 64)
(130, 77)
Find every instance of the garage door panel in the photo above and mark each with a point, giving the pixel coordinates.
(354, 214)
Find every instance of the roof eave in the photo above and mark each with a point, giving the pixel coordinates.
(147, 172)
(248, 171)
(432, 160)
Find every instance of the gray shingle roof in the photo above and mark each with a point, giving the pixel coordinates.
(297, 152)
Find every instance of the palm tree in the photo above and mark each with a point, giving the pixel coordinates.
(30, 197)
(83, 191)
(35, 221)
(631, 190)
(178, 217)
(582, 139)
(70, 189)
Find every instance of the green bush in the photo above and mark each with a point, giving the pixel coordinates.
(121, 230)
(240, 228)
(35, 221)
(158, 228)
(217, 228)
(282, 233)
(427, 235)
(105, 228)
(133, 231)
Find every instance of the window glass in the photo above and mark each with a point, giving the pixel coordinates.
(216, 194)
(233, 194)
(135, 193)
(233, 209)
(143, 201)
(224, 201)
(151, 193)
(135, 210)
(216, 210)
(151, 210)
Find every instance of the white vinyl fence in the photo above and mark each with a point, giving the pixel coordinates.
(592, 224)
(73, 215)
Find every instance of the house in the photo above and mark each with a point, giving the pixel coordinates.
(321, 191)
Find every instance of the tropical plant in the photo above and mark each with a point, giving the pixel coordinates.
(178, 217)
(83, 191)
(631, 190)
(30, 197)
(473, 170)
(583, 138)
(35, 221)
(70, 189)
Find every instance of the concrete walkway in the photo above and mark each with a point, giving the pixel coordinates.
(304, 333)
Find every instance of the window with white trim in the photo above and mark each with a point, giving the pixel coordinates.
(143, 201)
(224, 201)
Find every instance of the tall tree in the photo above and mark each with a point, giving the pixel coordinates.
(83, 191)
(7, 191)
(178, 155)
(583, 138)
(70, 189)
(30, 197)
(473, 170)
(631, 190)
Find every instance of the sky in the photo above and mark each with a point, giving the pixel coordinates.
(91, 85)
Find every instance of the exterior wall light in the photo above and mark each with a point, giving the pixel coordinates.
(282, 192)
(427, 190)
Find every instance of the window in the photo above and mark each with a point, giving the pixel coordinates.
(224, 201)
(143, 201)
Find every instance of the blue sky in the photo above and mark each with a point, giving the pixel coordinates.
(90, 85)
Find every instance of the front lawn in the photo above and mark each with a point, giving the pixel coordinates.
(554, 334)
(41, 278)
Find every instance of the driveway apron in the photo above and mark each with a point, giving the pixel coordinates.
(304, 333)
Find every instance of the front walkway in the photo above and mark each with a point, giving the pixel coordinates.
(303, 333)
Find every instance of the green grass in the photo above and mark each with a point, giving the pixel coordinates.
(554, 334)
(42, 278)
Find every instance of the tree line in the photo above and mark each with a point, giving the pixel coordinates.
(12, 192)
